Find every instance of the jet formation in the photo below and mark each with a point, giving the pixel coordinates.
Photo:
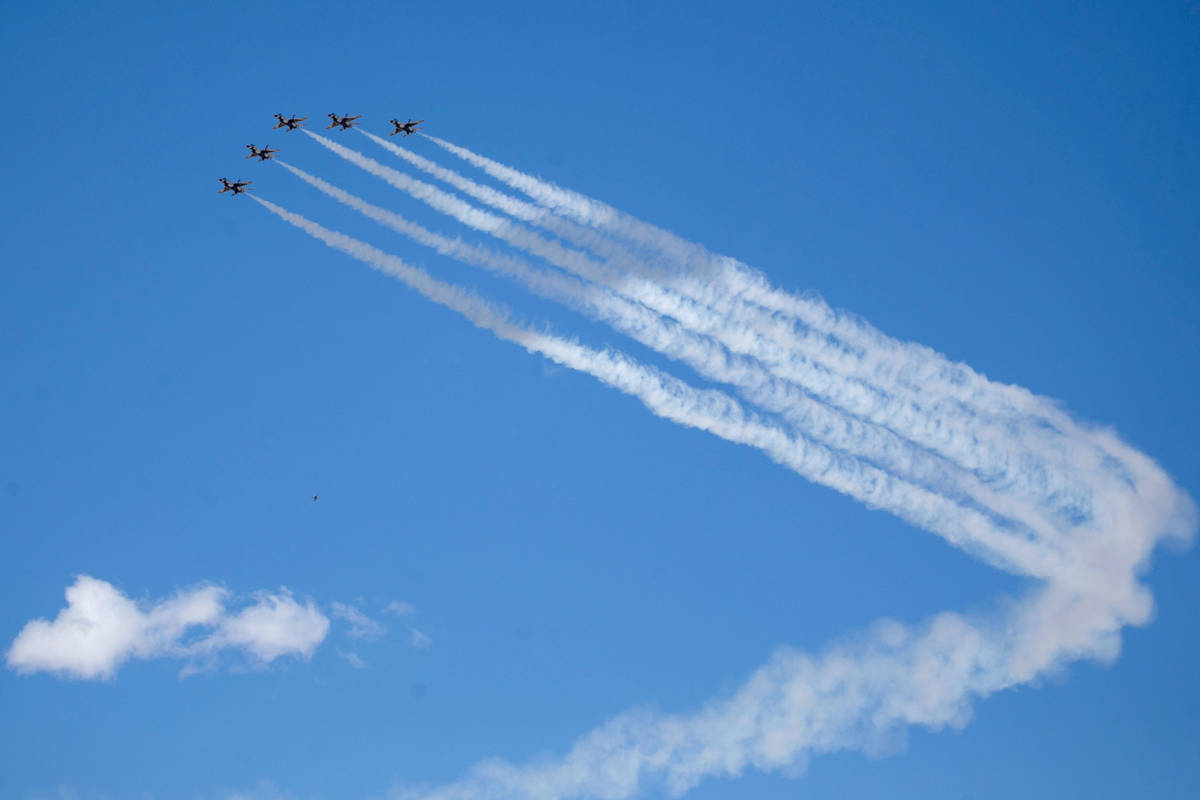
(292, 123)
(404, 127)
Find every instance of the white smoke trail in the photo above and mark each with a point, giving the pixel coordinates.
(1007, 436)
(823, 369)
(718, 414)
(961, 434)
(808, 418)
(921, 369)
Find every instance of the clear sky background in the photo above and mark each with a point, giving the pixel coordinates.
(1014, 185)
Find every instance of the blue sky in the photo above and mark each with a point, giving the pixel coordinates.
(1013, 186)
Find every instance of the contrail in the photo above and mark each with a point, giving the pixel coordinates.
(971, 443)
(916, 367)
(872, 486)
(901, 386)
(716, 413)
(808, 418)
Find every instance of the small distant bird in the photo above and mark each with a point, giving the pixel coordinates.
(314, 498)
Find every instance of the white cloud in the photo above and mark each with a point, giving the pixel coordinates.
(274, 626)
(100, 629)
(361, 626)
(420, 639)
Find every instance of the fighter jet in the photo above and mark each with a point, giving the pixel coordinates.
(291, 123)
(237, 187)
(314, 498)
(263, 155)
(346, 122)
(404, 127)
